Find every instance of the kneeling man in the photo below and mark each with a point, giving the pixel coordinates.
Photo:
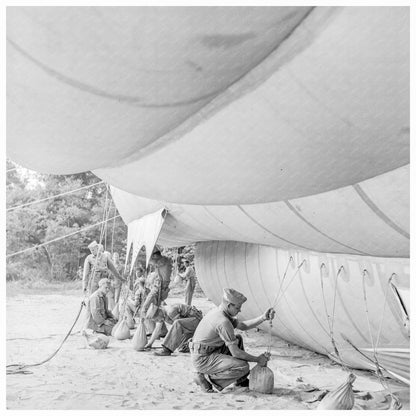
(218, 354)
(184, 320)
(99, 318)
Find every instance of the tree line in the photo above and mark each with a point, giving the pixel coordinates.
(40, 222)
(37, 223)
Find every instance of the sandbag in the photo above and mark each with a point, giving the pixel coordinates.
(130, 321)
(116, 311)
(96, 341)
(140, 338)
(395, 403)
(341, 398)
(261, 379)
(113, 331)
(123, 331)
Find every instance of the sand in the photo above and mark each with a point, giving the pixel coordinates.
(120, 378)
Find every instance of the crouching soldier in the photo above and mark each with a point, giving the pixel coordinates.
(217, 353)
(99, 318)
(184, 320)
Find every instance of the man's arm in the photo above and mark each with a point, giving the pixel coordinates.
(155, 334)
(156, 285)
(113, 270)
(242, 355)
(186, 274)
(252, 323)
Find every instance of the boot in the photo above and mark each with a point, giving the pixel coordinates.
(202, 382)
(164, 353)
(242, 382)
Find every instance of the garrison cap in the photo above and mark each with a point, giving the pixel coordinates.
(232, 296)
(92, 245)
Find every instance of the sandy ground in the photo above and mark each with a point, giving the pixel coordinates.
(121, 378)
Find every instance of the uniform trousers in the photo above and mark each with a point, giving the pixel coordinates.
(179, 333)
(221, 367)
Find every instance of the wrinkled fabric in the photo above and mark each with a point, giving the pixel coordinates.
(222, 368)
(158, 282)
(97, 268)
(98, 313)
(190, 278)
(216, 329)
(180, 332)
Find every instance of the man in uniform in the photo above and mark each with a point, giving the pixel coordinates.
(218, 354)
(96, 267)
(184, 320)
(99, 318)
(189, 276)
(135, 303)
(159, 280)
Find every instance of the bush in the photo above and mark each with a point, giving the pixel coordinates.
(18, 272)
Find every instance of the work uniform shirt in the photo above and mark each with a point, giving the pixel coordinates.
(97, 310)
(159, 280)
(216, 329)
(163, 268)
(98, 264)
(180, 311)
(139, 296)
(189, 274)
(116, 283)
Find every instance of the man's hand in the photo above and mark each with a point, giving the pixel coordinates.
(262, 359)
(108, 322)
(196, 312)
(269, 314)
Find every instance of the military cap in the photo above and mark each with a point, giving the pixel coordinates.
(234, 297)
(92, 245)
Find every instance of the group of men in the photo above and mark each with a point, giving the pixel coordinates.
(217, 353)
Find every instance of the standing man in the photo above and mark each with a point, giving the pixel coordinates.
(159, 280)
(190, 277)
(99, 317)
(184, 320)
(96, 267)
(218, 354)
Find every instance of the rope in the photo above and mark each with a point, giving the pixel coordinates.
(291, 280)
(56, 239)
(379, 373)
(98, 256)
(331, 321)
(376, 364)
(384, 308)
(112, 234)
(277, 298)
(21, 368)
(51, 197)
(105, 215)
(281, 283)
(269, 347)
(328, 318)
